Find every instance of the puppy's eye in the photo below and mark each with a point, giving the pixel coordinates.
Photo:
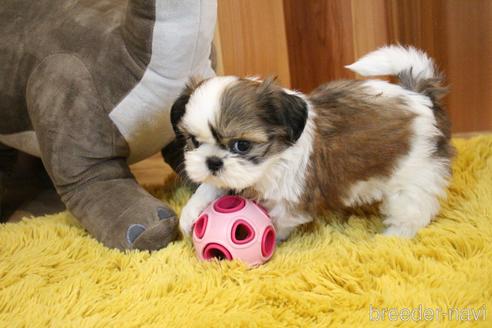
(240, 147)
(195, 142)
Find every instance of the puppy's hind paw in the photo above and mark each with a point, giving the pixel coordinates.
(400, 231)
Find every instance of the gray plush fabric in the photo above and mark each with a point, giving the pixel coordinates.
(65, 65)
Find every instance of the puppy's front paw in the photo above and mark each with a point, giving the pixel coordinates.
(189, 215)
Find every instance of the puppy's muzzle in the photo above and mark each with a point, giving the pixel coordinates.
(214, 164)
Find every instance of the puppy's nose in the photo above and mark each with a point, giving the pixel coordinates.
(214, 163)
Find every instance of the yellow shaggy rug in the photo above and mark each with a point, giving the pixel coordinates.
(333, 273)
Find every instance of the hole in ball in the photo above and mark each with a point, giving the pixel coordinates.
(229, 204)
(268, 242)
(216, 251)
(200, 226)
(217, 254)
(242, 232)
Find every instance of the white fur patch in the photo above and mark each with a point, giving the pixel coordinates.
(203, 196)
(182, 37)
(203, 107)
(366, 192)
(234, 174)
(391, 60)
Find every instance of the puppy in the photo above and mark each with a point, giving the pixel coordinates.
(348, 143)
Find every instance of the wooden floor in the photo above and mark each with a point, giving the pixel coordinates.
(151, 171)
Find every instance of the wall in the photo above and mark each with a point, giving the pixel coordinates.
(252, 38)
(306, 43)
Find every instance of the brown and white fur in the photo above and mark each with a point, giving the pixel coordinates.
(346, 144)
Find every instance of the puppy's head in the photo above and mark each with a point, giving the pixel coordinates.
(234, 129)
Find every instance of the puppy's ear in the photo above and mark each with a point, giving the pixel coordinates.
(295, 112)
(284, 109)
(179, 107)
(173, 153)
(178, 110)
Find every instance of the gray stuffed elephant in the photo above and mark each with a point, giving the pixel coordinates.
(87, 85)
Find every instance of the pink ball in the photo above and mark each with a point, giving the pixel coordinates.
(233, 227)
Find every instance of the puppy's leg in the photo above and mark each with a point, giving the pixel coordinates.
(408, 210)
(283, 232)
(203, 196)
(285, 221)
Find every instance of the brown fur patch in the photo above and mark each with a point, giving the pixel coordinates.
(434, 89)
(257, 112)
(358, 136)
(239, 116)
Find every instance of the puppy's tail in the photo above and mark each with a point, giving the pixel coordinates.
(413, 67)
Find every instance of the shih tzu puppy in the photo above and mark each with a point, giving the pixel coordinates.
(348, 143)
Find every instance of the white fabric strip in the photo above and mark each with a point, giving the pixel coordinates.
(181, 42)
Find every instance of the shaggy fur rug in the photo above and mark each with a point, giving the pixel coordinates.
(336, 271)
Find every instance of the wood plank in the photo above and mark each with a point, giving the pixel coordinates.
(217, 52)
(470, 64)
(252, 39)
(319, 37)
(369, 25)
(151, 171)
(458, 34)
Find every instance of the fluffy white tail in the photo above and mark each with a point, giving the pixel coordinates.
(394, 60)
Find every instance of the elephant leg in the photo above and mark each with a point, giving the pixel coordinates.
(85, 156)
